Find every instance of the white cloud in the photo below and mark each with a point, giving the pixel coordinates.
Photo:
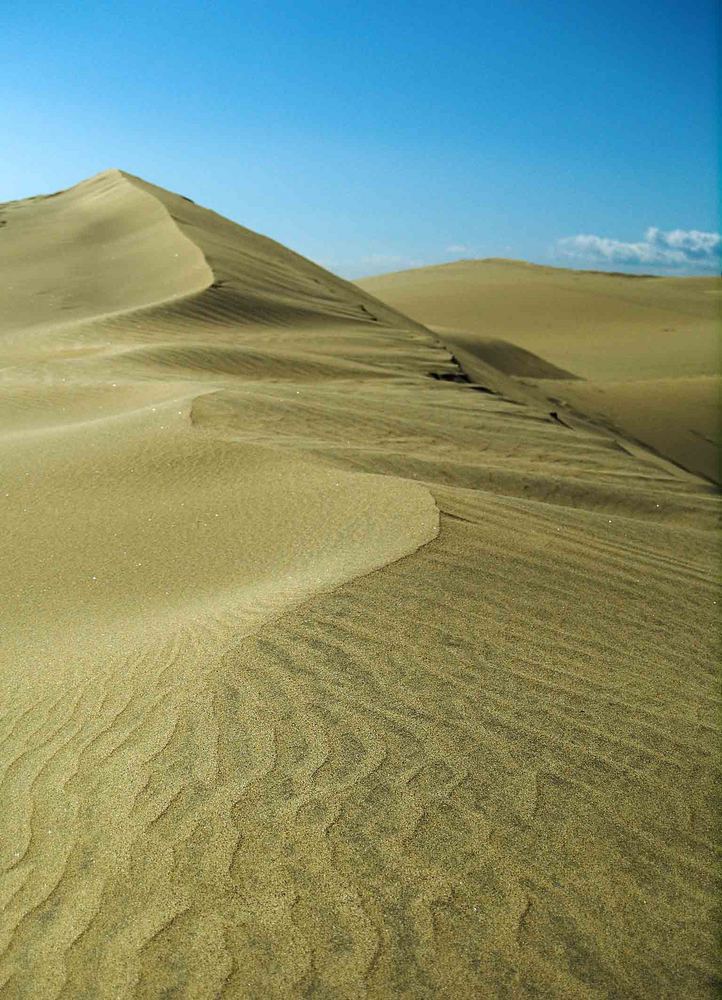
(378, 262)
(373, 264)
(390, 262)
(692, 242)
(678, 248)
(382, 258)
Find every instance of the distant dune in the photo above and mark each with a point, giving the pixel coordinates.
(331, 668)
(646, 347)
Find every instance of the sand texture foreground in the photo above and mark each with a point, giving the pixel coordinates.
(639, 354)
(322, 677)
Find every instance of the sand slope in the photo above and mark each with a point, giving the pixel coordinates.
(320, 676)
(609, 329)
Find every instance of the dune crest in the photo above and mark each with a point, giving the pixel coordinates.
(102, 247)
(608, 330)
(124, 260)
(328, 669)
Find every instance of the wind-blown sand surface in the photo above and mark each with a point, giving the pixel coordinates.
(322, 677)
(644, 351)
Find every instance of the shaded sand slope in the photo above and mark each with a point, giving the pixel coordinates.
(610, 330)
(322, 677)
(678, 417)
(99, 247)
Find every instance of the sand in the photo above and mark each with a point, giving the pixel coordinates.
(321, 676)
(644, 350)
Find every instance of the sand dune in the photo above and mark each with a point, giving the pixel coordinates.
(611, 330)
(321, 676)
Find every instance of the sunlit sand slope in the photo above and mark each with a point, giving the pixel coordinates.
(321, 676)
(610, 330)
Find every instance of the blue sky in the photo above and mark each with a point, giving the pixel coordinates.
(375, 136)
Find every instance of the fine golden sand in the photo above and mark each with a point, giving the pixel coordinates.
(644, 351)
(322, 677)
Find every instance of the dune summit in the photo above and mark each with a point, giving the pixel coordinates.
(322, 676)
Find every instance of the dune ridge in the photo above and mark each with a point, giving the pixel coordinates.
(322, 676)
(608, 330)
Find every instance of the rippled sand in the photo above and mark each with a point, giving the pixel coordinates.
(321, 676)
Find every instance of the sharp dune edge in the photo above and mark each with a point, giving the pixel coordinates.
(639, 354)
(322, 677)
